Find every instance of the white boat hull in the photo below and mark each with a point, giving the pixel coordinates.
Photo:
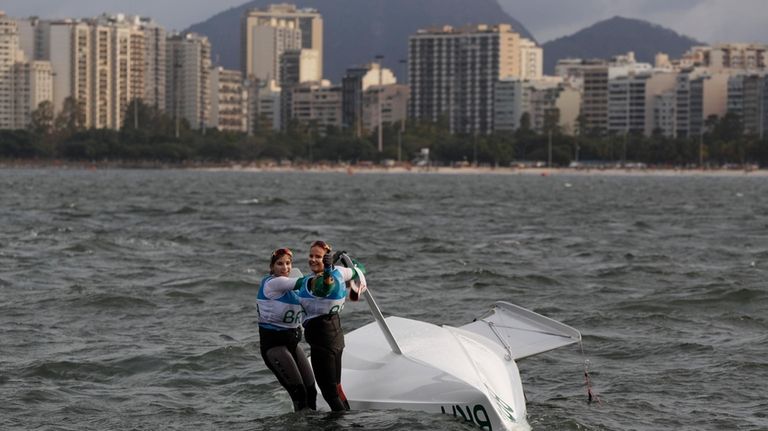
(469, 372)
(441, 370)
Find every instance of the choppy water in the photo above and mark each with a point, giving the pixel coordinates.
(127, 297)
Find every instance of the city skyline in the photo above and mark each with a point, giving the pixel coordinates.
(711, 21)
(485, 77)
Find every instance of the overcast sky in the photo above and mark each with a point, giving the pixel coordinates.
(706, 20)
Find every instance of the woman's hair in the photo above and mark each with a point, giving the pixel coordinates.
(322, 244)
(277, 254)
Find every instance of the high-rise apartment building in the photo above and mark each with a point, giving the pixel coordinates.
(626, 104)
(292, 28)
(154, 64)
(9, 55)
(99, 62)
(119, 50)
(229, 101)
(594, 102)
(453, 73)
(269, 44)
(188, 64)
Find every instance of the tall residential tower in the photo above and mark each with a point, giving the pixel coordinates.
(266, 34)
(453, 73)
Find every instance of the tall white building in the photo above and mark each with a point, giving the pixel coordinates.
(269, 44)
(453, 72)
(118, 59)
(9, 55)
(531, 60)
(261, 49)
(188, 64)
(68, 47)
(154, 63)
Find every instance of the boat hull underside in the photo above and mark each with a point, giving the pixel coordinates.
(441, 370)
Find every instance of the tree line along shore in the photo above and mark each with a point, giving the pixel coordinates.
(153, 138)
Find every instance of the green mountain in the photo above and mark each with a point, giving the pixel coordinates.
(617, 36)
(358, 30)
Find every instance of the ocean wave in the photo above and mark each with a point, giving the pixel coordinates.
(71, 370)
(184, 295)
(111, 301)
(184, 210)
(216, 359)
(721, 295)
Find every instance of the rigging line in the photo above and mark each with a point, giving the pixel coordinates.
(591, 395)
(508, 356)
(554, 334)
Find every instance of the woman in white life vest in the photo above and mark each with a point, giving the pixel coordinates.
(323, 298)
(280, 317)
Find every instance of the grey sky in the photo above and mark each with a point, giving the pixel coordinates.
(707, 20)
(172, 14)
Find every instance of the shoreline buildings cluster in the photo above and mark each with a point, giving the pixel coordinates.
(482, 79)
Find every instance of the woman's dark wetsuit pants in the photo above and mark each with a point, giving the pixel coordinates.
(326, 340)
(286, 359)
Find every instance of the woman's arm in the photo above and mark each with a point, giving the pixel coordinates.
(347, 274)
(277, 286)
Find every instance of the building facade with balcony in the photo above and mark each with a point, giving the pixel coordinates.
(229, 101)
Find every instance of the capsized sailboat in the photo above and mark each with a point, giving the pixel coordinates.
(467, 371)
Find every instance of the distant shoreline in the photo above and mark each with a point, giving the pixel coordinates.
(375, 169)
(507, 171)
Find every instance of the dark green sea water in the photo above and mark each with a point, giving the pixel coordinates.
(127, 298)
